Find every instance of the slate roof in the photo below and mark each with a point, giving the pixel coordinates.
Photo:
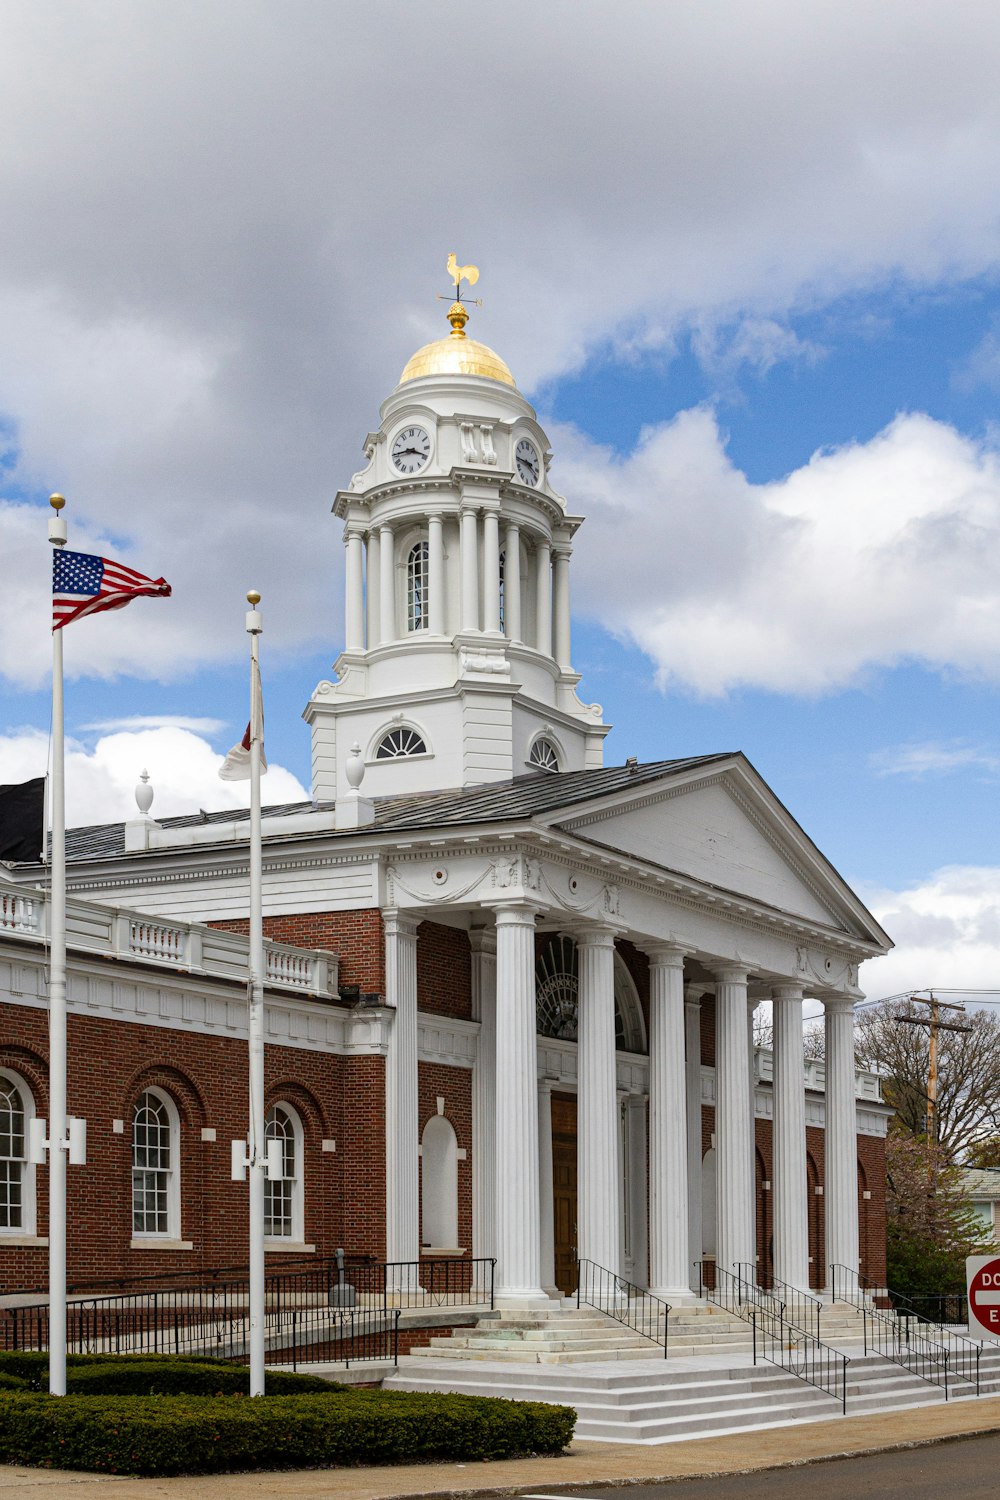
(498, 801)
(981, 1182)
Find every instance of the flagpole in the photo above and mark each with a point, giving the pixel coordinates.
(57, 1010)
(257, 1152)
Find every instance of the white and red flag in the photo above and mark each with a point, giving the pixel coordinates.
(236, 766)
(84, 585)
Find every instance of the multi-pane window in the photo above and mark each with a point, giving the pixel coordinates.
(503, 602)
(152, 1165)
(543, 756)
(12, 1159)
(280, 1193)
(400, 742)
(417, 566)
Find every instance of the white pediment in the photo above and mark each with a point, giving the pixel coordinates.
(713, 833)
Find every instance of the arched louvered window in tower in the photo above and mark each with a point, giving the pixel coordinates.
(543, 756)
(417, 567)
(399, 743)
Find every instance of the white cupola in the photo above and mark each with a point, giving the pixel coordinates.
(456, 664)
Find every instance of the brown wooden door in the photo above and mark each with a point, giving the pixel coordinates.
(564, 1191)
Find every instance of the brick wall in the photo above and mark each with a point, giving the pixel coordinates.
(444, 971)
(355, 936)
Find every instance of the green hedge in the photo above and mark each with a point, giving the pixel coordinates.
(205, 1434)
(152, 1375)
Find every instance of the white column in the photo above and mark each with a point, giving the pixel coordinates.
(692, 1071)
(546, 1201)
(470, 570)
(669, 1268)
(598, 1183)
(841, 1145)
(543, 597)
(484, 1077)
(518, 1274)
(491, 571)
(372, 586)
(560, 605)
(512, 582)
(734, 1182)
(354, 633)
(435, 572)
(752, 1129)
(387, 585)
(791, 1224)
(402, 1204)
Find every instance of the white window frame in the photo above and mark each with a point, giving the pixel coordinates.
(27, 1228)
(172, 1233)
(545, 736)
(418, 568)
(296, 1233)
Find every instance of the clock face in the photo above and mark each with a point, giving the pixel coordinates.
(411, 450)
(529, 465)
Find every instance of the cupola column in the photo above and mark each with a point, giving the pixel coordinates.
(543, 596)
(387, 585)
(491, 571)
(560, 605)
(372, 590)
(512, 582)
(354, 622)
(435, 573)
(470, 570)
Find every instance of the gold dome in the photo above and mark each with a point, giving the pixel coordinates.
(456, 355)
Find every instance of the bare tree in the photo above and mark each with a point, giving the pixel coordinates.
(813, 1039)
(968, 1088)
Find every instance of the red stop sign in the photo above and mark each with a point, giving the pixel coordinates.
(984, 1294)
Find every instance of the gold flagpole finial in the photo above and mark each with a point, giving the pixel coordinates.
(57, 502)
(253, 598)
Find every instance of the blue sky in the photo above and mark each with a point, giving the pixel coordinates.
(747, 273)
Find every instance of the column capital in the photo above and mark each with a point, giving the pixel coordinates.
(383, 526)
(515, 913)
(483, 940)
(596, 936)
(732, 974)
(837, 1005)
(561, 549)
(399, 923)
(665, 955)
(694, 992)
(787, 992)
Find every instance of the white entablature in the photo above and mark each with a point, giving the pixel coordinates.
(456, 668)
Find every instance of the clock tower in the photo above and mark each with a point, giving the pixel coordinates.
(456, 664)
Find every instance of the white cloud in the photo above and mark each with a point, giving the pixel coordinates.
(224, 229)
(934, 758)
(157, 721)
(870, 555)
(946, 929)
(100, 782)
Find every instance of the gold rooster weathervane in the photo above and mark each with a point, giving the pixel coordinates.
(457, 315)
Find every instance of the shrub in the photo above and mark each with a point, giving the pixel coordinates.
(202, 1435)
(13, 1383)
(152, 1374)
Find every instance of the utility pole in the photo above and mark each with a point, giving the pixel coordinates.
(934, 1024)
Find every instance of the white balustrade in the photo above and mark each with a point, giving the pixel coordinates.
(156, 940)
(19, 913)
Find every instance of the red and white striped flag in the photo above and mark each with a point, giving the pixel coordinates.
(84, 585)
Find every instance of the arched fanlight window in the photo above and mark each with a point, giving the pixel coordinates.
(283, 1196)
(543, 756)
(14, 1183)
(417, 567)
(557, 997)
(155, 1187)
(399, 743)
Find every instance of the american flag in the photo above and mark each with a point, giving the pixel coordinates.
(84, 585)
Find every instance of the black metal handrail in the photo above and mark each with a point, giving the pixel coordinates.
(800, 1308)
(775, 1338)
(799, 1353)
(907, 1337)
(628, 1304)
(322, 1312)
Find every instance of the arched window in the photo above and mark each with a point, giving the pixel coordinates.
(399, 743)
(543, 756)
(503, 611)
(16, 1176)
(283, 1196)
(557, 1003)
(155, 1176)
(439, 1184)
(417, 565)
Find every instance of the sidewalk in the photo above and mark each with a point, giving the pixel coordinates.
(586, 1463)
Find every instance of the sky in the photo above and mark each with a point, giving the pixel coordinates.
(744, 259)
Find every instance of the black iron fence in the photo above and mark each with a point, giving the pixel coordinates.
(331, 1311)
(628, 1304)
